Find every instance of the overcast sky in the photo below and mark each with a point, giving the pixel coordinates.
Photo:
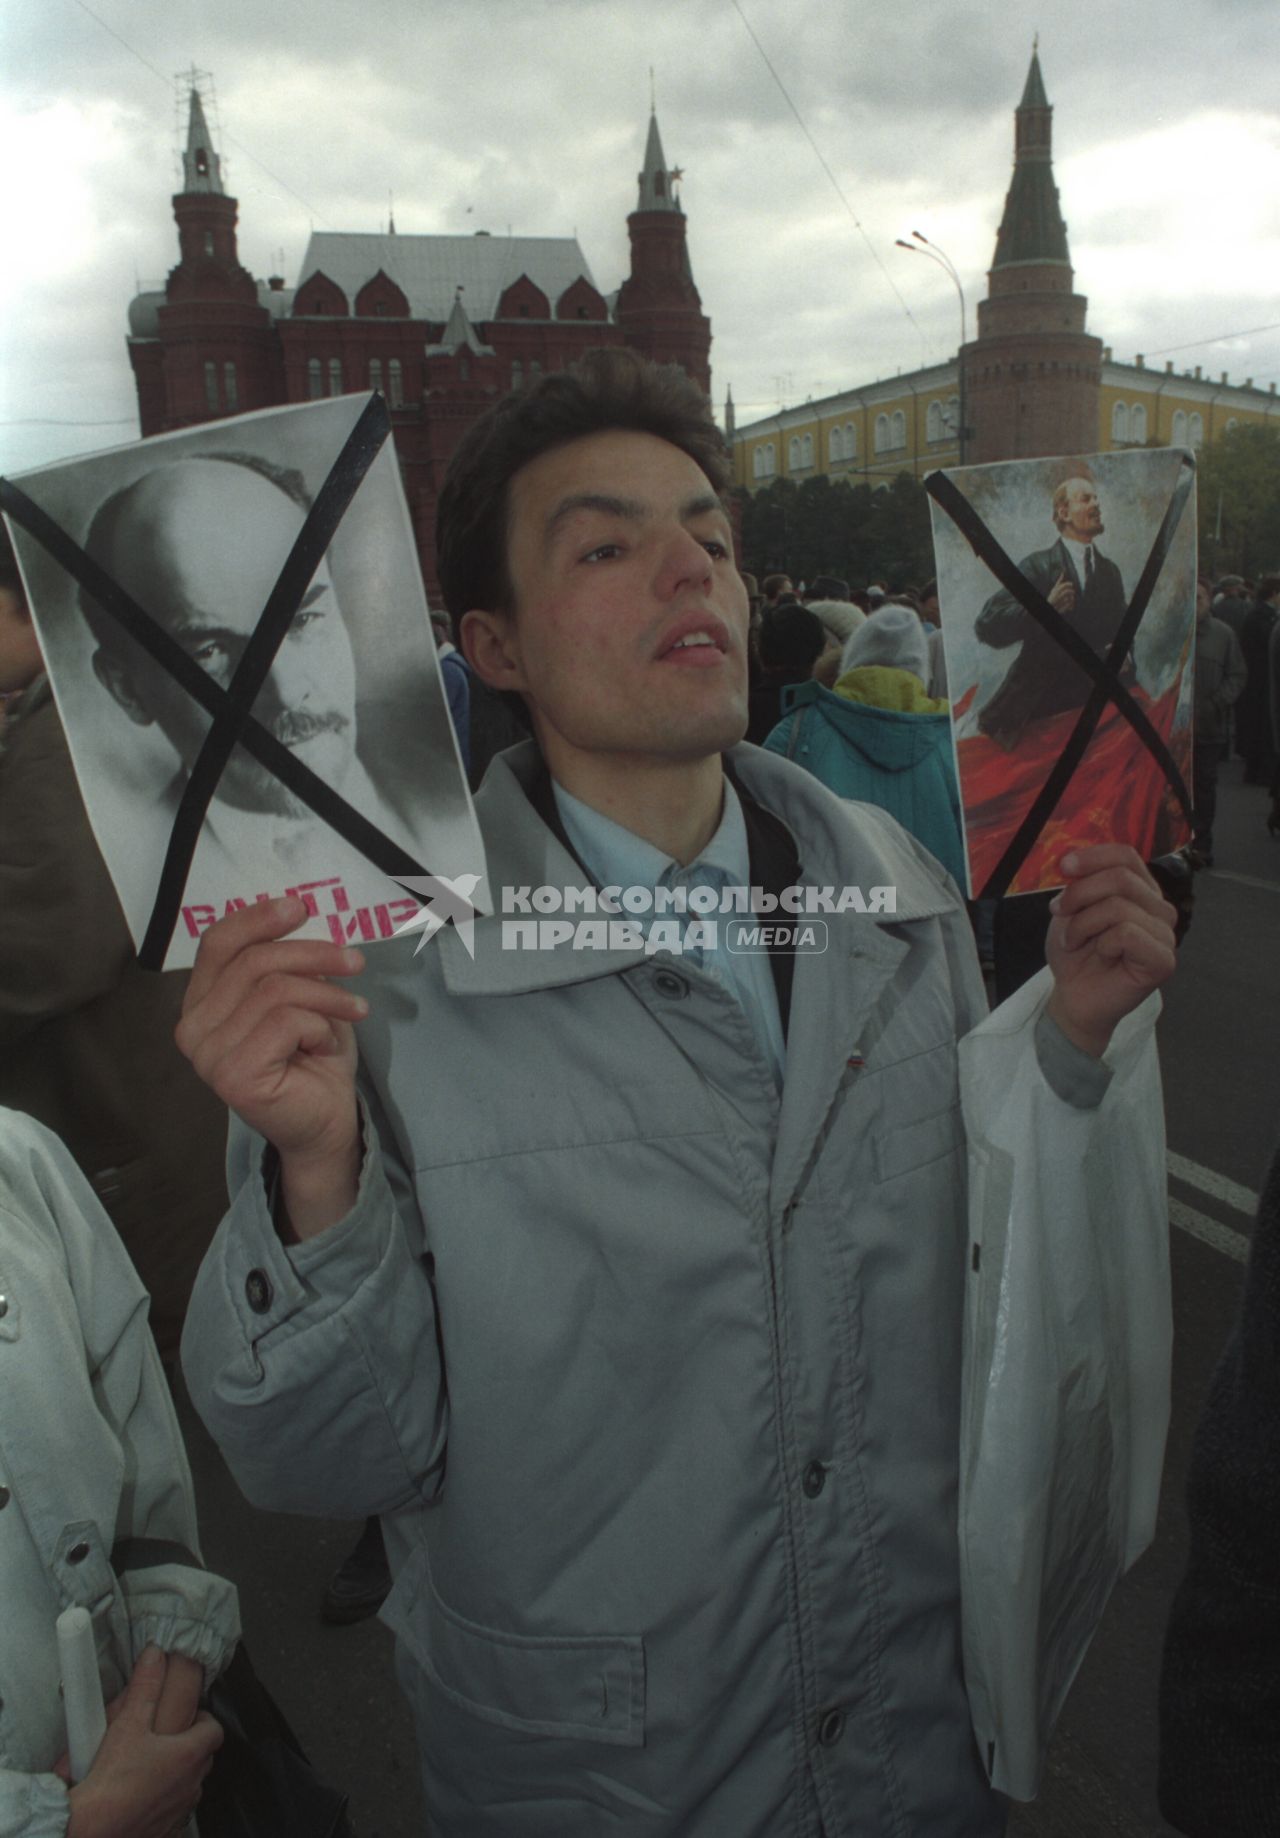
(532, 113)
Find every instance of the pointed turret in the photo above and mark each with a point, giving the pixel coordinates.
(655, 179)
(1033, 373)
(212, 352)
(658, 308)
(1032, 229)
(459, 334)
(201, 167)
(730, 422)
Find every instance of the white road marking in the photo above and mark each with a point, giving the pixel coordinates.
(1244, 880)
(1199, 1225)
(1217, 1186)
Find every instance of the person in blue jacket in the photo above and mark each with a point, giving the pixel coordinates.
(879, 737)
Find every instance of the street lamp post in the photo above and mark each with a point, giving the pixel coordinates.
(922, 246)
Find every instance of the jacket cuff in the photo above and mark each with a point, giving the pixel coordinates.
(267, 1280)
(191, 1612)
(1070, 1073)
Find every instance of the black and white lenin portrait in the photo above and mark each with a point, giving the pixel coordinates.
(195, 528)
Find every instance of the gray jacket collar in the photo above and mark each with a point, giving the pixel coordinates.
(522, 852)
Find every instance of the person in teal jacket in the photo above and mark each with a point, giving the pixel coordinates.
(879, 737)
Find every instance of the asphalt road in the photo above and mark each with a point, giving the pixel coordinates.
(1219, 1039)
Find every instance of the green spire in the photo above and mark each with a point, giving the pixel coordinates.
(1032, 229)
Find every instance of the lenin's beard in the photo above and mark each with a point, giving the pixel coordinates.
(324, 743)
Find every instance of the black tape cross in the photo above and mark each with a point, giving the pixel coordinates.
(232, 721)
(1107, 686)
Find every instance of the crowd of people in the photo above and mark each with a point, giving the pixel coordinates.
(619, 1291)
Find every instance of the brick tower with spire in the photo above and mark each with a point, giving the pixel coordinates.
(1033, 373)
(659, 309)
(208, 349)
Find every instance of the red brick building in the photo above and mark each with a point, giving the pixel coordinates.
(442, 325)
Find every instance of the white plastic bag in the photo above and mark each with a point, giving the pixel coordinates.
(1068, 1336)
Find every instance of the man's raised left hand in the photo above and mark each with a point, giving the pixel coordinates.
(1110, 943)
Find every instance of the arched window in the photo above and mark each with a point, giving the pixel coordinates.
(230, 388)
(933, 425)
(882, 433)
(953, 414)
(208, 242)
(1195, 431)
(375, 373)
(1119, 421)
(395, 383)
(1232, 423)
(535, 370)
(899, 428)
(850, 441)
(517, 374)
(315, 379)
(793, 453)
(1138, 424)
(806, 450)
(335, 376)
(211, 388)
(1179, 436)
(770, 459)
(835, 446)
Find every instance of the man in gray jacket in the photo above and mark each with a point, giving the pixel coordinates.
(627, 1282)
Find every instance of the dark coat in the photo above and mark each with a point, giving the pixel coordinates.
(1042, 679)
(86, 1036)
(1220, 1684)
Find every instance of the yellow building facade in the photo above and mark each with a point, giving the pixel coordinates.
(908, 423)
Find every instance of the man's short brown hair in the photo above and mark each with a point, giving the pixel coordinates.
(605, 391)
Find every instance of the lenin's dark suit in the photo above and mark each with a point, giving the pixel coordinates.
(1043, 680)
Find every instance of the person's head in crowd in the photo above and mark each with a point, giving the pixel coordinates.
(586, 553)
(1204, 600)
(859, 597)
(1229, 587)
(930, 611)
(894, 638)
(20, 659)
(826, 587)
(755, 599)
(1268, 590)
(877, 594)
(199, 543)
(776, 587)
(790, 642)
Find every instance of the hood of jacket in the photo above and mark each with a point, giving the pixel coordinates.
(891, 739)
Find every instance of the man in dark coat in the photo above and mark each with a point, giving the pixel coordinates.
(1078, 582)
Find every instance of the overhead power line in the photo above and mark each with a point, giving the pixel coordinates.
(835, 183)
(229, 139)
(1194, 344)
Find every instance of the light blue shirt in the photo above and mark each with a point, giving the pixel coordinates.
(618, 857)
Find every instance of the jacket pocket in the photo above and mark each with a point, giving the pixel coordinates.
(916, 1144)
(579, 1687)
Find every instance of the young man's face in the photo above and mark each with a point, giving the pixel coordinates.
(619, 550)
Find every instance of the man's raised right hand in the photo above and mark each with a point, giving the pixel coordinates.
(268, 1030)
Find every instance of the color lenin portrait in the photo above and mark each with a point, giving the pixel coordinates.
(195, 528)
(1082, 534)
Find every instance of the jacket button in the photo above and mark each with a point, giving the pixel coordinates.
(5, 1497)
(257, 1291)
(830, 1727)
(4, 1307)
(78, 1553)
(815, 1479)
(667, 983)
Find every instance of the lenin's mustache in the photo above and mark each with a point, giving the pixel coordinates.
(292, 729)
